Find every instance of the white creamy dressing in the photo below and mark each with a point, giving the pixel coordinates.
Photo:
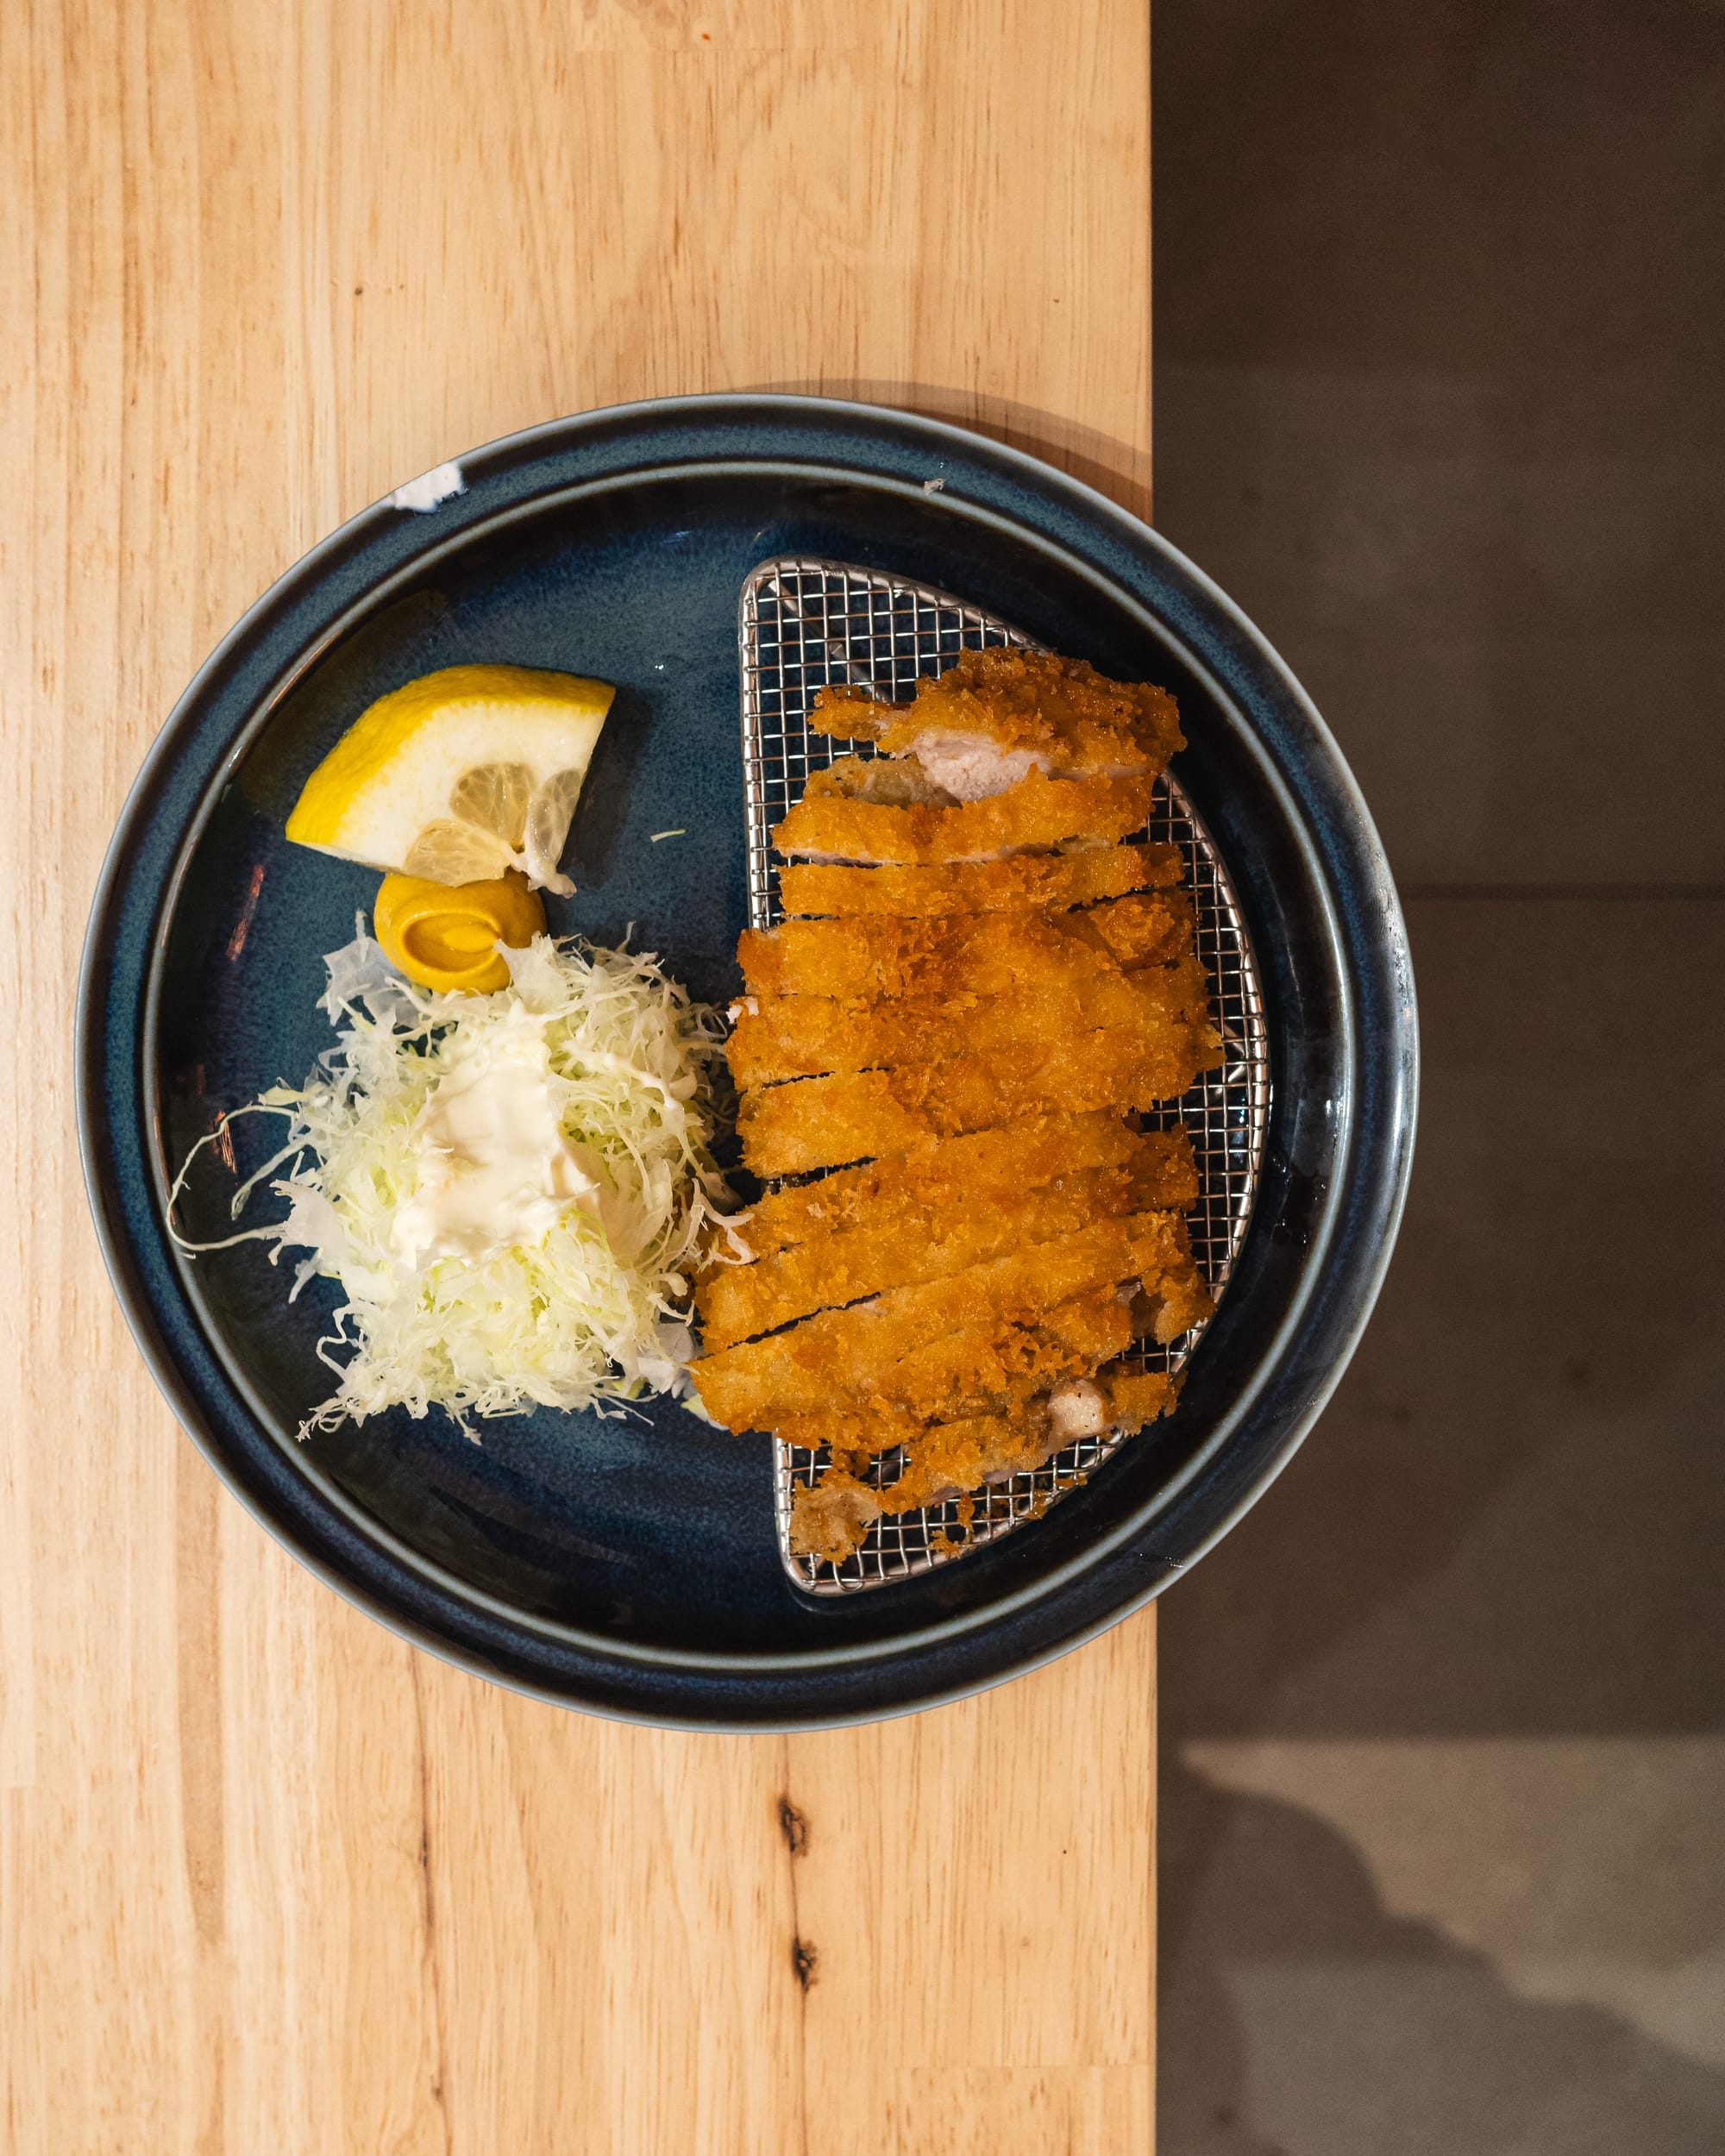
(496, 1168)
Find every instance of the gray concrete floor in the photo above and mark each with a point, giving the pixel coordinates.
(1440, 398)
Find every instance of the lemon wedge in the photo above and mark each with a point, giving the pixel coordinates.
(447, 938)
(458, 776)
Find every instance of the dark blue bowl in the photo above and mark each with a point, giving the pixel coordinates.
(630, 1568)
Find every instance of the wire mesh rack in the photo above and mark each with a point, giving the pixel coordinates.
(803, 623)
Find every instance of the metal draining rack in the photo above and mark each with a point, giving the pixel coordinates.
(803, 623)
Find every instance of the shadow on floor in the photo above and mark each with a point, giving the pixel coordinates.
(1503, 1534)
(1439, 336)
(1390, 2041)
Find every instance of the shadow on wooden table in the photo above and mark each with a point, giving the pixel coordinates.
(1115, 468)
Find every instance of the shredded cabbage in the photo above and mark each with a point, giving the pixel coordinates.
(593, 1312)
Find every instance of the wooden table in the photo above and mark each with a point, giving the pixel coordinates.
(271, 1880)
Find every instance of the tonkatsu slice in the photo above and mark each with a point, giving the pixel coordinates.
(784, 1038)
(982, 1167)
(829, 1122)
(991, 954)
(906, 1243)
(852, 1353)
(1042, 880)
(1034, 814)
(994, 715)
(830, 1518)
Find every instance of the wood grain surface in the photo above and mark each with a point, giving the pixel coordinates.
(269, 1878)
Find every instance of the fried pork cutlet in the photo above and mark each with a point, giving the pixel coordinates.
(1035, 814)
(988, 954)
(831, 1519)
(977, 983)
(995, 1361)
(1026, 1430)
(903, 1245)
(993, 715)
(803, 1037)
(866, 1353)
(825, 1122)
(990, 1366)
(1050, 881)
(898, 779)
(746, 1300)
(890, 1193)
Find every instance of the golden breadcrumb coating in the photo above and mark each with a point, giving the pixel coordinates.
(1052, 881)
(856, 1353)
(1025, 1420)
(826, 1122)
(830, 1518)
(1060, 709)
(804, 1037)
(901, 1245)
(971, 956)
(903, 1187)
(1038, 812)
(975, 986)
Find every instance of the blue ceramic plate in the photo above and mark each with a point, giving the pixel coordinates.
(630, 1568)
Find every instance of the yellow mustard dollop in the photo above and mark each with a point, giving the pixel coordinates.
(444, 936)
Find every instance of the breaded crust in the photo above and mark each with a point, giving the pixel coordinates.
(830, 1518)
(988, 953)
(1038, 812)
(975, 987)
(899, 1245)
(990, 1364)
(1061, 708)
(902, 1186)
(854, 1354)
(826, 1122)
(1051, 881)
(802, 1036)
(1127, 1398)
